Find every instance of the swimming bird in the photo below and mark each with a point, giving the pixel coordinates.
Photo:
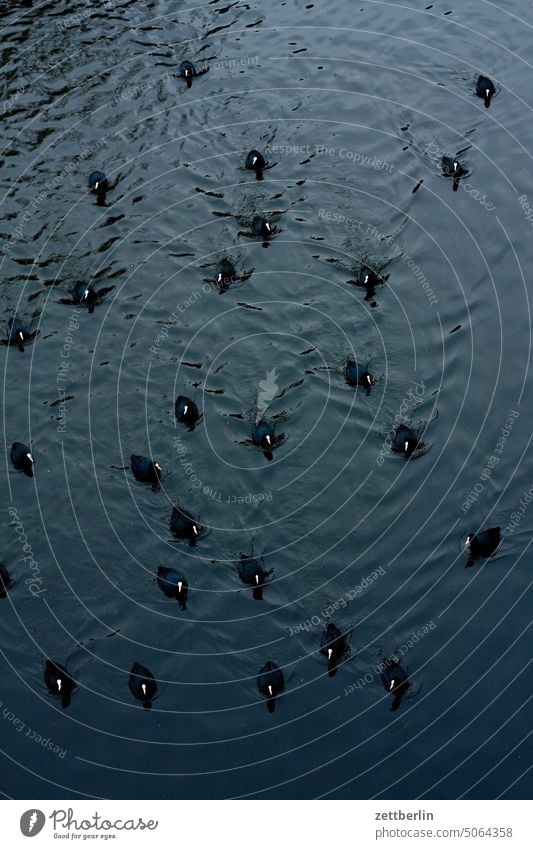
(225, 273)
(5, 581)
(369, 278)
(99, 185)
(270, 682)
(59, 682)
(453, 168)
(394, 680)
(84, 294)
(263, 436)
(146, 470)
(184, 526)
(261, 227)
(252, 573)
(357, 375)
(142, 684)
(485, 88)
(482, 544)
(186, 411)
(188, 70)
(22, 458)
(18, 333)
(98, 181)
(255, 161)
(405, 441)
(173, 585)
(334, 646)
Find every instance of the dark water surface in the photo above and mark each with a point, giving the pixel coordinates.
(356, 103)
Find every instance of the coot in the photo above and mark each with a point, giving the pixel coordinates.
(263, 436)
(22, 458)
(482, 544)
(357, 375)
(252, 573)
(405, 441)
(255, 161)
(485, 88)
(334, 646)
(173, 585)
(59, 682)
(394, 680)
(184, 526)
(18, 333)
(146, 470)
(186, 411)
(142, 684)
(270, 682)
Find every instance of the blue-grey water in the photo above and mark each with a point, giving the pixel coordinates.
(353, 105)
